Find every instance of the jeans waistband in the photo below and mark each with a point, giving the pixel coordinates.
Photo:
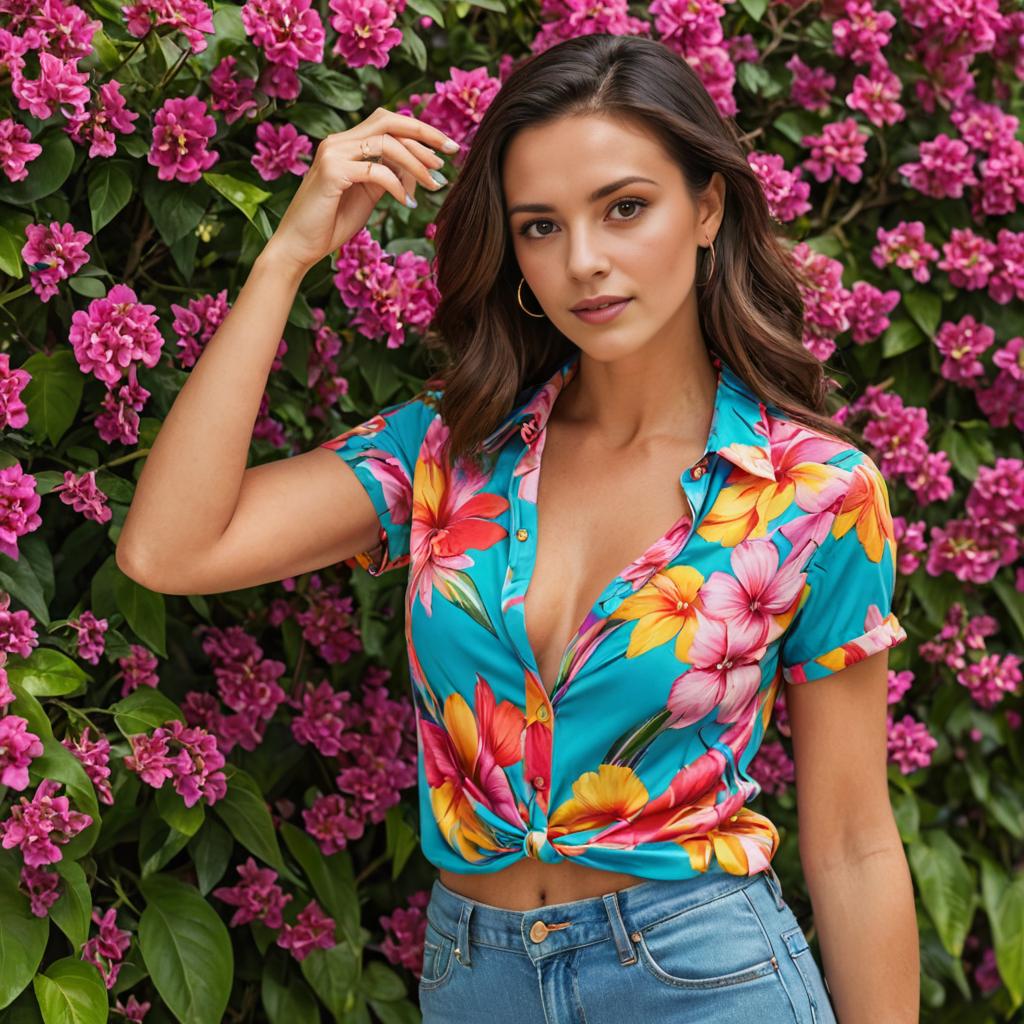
(562, 926)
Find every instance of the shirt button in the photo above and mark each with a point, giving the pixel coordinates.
(538, 782)
(522, 534)
(539, 931)
(542, 713)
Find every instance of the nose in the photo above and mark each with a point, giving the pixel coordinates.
(586, 257)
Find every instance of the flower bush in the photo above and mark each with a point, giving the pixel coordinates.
(207, 805)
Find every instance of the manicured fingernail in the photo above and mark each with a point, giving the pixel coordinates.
(451, 146)
(409, 201)
(439, 177)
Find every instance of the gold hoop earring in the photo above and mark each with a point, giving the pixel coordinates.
(711, 273)
(519, 299)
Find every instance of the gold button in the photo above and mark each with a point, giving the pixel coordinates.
(539, 931)
(522, 534)
(635, 936)
(542, 712)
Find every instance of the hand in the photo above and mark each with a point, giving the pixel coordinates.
(338, 192)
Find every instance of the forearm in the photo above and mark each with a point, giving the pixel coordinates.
(189, 486)
(867, 927)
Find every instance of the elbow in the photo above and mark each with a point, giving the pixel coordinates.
(134, 566)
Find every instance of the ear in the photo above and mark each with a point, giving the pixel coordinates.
(711, 207)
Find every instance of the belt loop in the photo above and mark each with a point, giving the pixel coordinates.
(627, 955)
(776, 887)
(462, 953)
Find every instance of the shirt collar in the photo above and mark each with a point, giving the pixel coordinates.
(739, 427)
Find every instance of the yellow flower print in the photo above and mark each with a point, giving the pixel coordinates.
(665, 608)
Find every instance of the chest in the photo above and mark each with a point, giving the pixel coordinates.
(596, 514)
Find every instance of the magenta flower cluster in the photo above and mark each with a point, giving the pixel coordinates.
(187, 756)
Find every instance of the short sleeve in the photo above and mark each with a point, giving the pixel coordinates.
(845, 611)
(382, 452)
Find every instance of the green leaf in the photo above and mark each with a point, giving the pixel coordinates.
(240, 193)
(333, 974)
(430, 9)
(331, 877)
(73, 911)
(90, 287)
(211, 853)
(22, 939)
(926, 309)
(286, 999)
(46, 173)
(71, 991)
(1013, 602)
(755, 8)
(946, 886)
(171, 807)
(333, 88)
(21, 580)
(46, 673)
(110, 188)
(144, 709)
(318, 121)
(12, 240)
(187, 950)
(795, 124)
(245, 812)
(144, 611)
(380, 982)
(176, 208)
(414, 49)
(1004, 904)
(54, 393)
(960, 452)
(900, 336)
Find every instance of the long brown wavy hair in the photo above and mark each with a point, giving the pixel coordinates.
(751, 312)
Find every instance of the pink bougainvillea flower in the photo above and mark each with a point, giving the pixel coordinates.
(312, 930)
(82, 494)
(114, 332)
(108, 114)
(366, 31)
(287, 31)
(18, 749)
(181, 130)
(230, 93)
(192, 17)
(94, 756)
(944, 168)
(279, 150)
(19, 507)
(106, 950)
(16, 149)
(257, 897)
(53, 253)
(785, 192)
(839, 149)
(40, 826)
(60, 86)
(13, 412)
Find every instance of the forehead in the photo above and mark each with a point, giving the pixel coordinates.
(579, 153)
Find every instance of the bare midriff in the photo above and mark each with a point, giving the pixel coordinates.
(528, 884)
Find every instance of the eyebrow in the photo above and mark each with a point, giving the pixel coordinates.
(600, 193)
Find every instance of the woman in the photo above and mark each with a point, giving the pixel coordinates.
(708, 533)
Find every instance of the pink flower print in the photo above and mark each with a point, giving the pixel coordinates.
(726, 673)
(53, 253)
(754, 593)
(181, 130)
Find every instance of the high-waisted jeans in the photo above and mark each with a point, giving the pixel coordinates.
(716, 949)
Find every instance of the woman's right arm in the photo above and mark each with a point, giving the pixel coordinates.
(181, 535)
(200, 521)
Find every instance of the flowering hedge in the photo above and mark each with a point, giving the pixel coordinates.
(206, 805)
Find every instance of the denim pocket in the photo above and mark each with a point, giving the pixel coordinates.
(438, 949)
(800, 954)
(715, 944)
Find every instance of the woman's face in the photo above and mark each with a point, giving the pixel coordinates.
(638, 240)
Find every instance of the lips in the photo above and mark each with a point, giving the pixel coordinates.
(600, 300)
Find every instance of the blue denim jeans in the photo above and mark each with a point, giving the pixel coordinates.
(718, 948)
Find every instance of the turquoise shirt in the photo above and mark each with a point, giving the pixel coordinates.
(782, 569)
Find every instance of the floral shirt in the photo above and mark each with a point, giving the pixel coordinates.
(781, 569)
